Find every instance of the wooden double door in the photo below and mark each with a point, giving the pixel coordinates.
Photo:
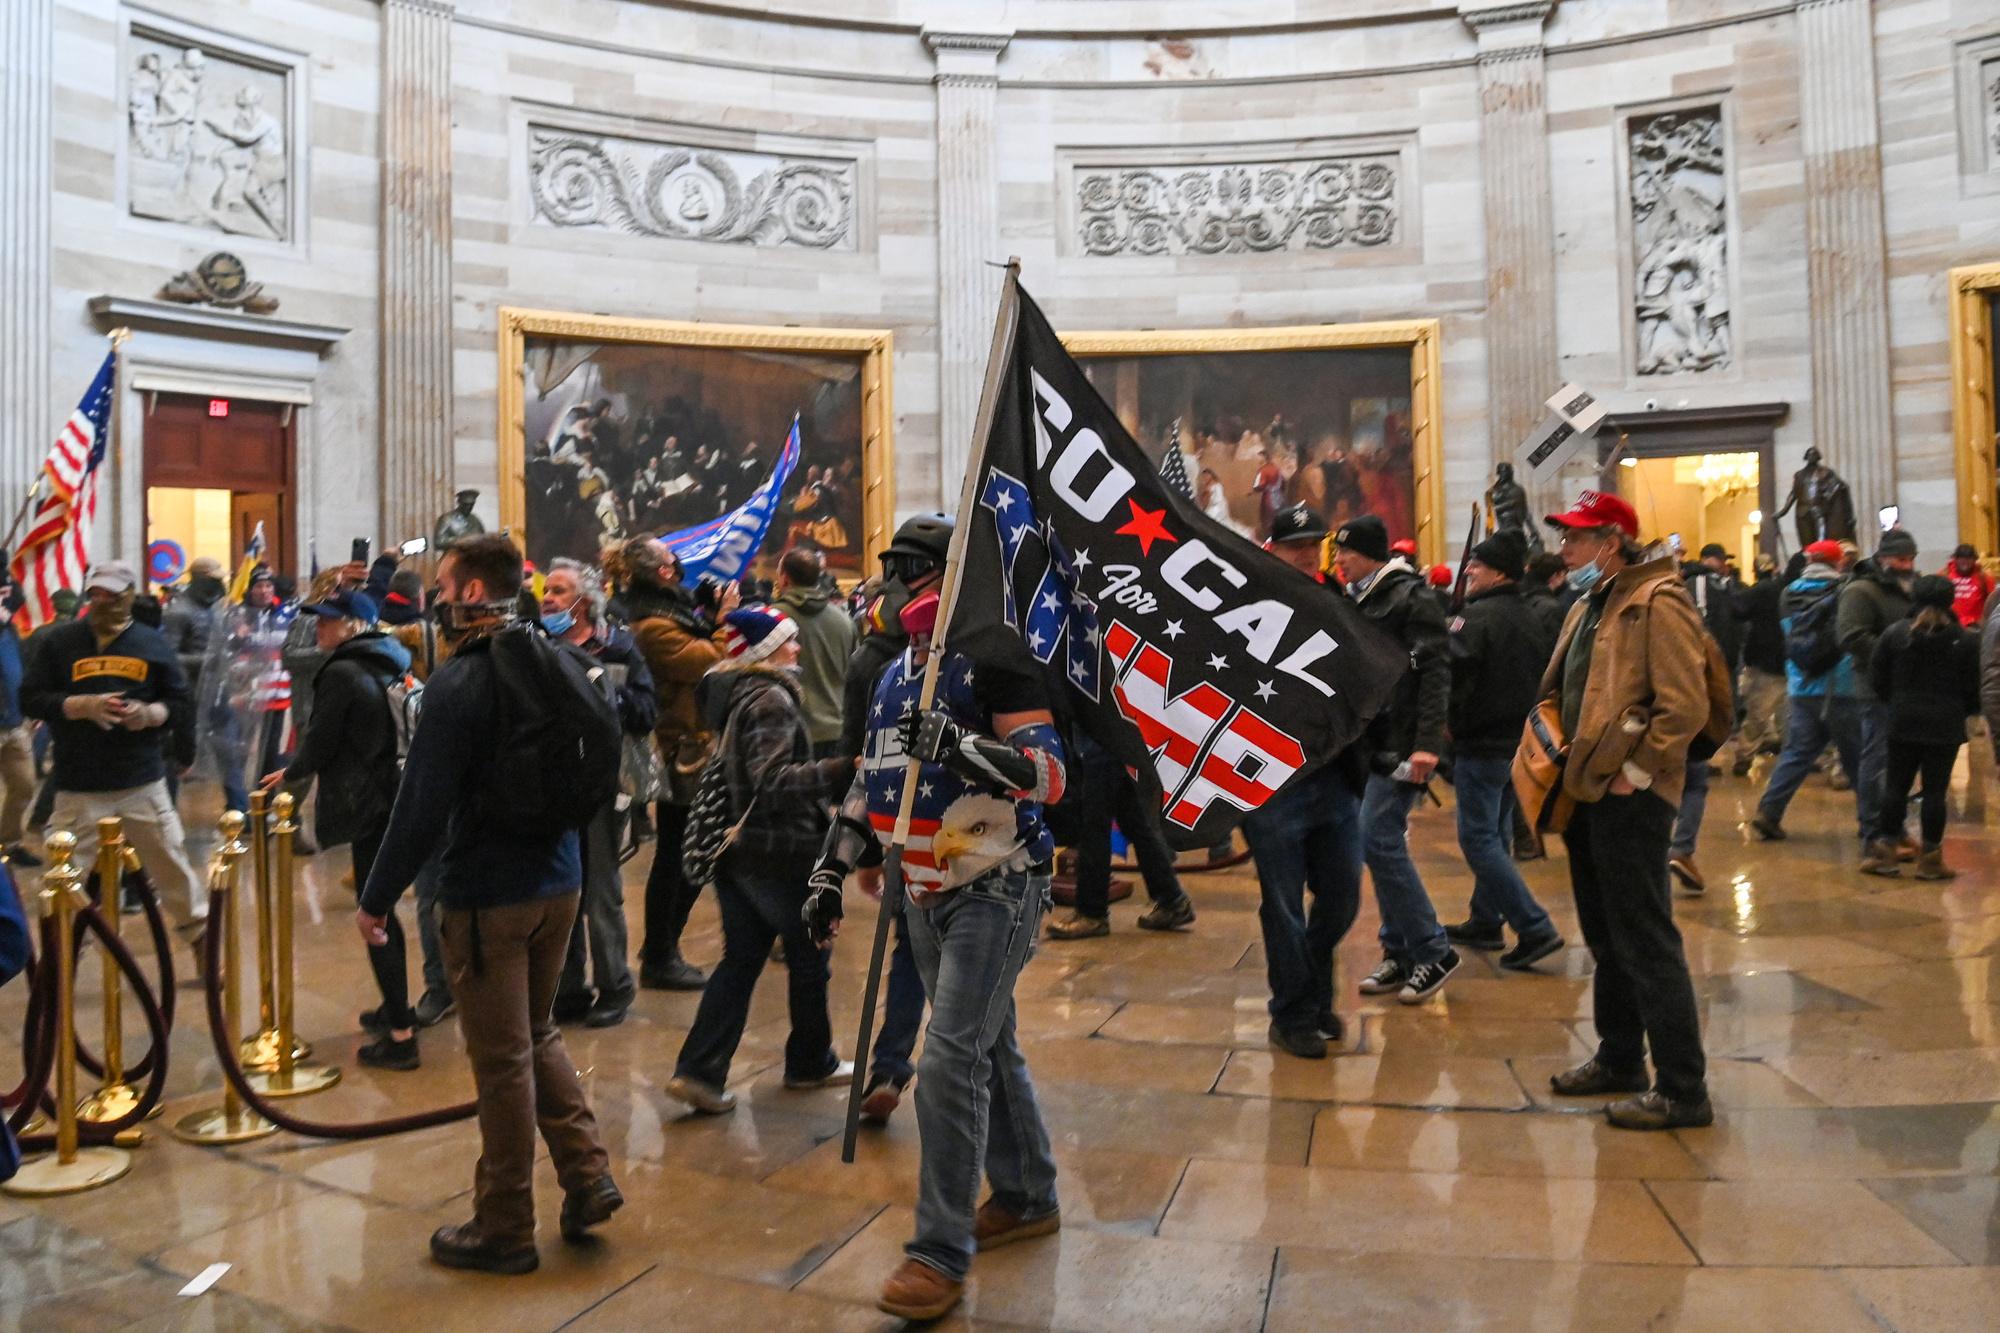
(197, 450)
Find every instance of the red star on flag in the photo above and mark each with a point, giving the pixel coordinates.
(1147, 527)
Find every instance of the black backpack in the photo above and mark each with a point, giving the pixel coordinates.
(558, 739)
(1812, 640)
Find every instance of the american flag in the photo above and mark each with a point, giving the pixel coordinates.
(54, 550)
(1173, 467)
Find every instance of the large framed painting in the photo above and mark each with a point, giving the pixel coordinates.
(614, 428)
(1342, 417)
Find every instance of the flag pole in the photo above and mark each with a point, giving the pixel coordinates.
(954, 564)
(1465, 559)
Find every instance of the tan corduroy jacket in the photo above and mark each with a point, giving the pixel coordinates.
(1647, 694)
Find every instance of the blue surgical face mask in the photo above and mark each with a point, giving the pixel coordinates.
(558, 623)
(1585, 577)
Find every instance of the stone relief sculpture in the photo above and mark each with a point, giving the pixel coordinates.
(220, 279)
(208, 142)
(1238, 208)
(689, 193)
(1679, 242)
(1991, 82)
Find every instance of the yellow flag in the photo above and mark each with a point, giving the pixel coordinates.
(253, 555)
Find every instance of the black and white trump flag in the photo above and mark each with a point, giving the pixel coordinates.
(1214, 671)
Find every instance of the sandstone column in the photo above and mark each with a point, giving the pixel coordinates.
(1845, 264)
(416, 449)
(968, 85)
(27, 49)
(1521, 357)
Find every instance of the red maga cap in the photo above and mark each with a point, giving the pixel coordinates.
(1595, 509)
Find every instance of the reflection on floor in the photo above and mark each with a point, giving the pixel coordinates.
(1849, 1183)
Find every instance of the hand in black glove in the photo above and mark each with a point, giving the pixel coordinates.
(823, 909)
(928, 734)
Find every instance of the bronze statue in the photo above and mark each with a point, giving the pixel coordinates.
(457, 525)
(1507, 506)
(1825, 505)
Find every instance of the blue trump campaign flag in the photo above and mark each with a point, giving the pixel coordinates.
(722, 547)
(1214, 671)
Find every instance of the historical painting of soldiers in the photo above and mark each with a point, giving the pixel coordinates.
(1264, 430)
(628, 439)
(208, 139)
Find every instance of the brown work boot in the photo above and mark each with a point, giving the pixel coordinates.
(462, 1246)
(995, 1225)
(1931, 865)
(1880, 858)
(916, 1291)
(1907, 849)
(1077, 926)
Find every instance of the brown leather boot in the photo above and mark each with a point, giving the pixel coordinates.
(916, 1291)
(995, 1225)
(1077, 926)
(1880, 858)
(1930, 865)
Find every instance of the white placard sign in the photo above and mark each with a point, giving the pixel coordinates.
(1572, 418)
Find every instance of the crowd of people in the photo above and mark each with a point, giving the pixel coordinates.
(1590, 691)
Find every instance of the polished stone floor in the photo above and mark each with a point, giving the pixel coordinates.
(1423, 1176)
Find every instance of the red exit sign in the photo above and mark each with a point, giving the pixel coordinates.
(218, 407)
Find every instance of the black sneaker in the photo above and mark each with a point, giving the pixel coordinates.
(463, 1247)
(434, 1007)
(608, 1012)
(1766, 828)
(881, 1097)
(1427, 979)
(1524, 955)
(19, 855)
(1656, 1110)
(585, 1208)
(1593, 1079)
(371, 1020)
(677, 973)
(1330, 1026)
(1389, 977)
(1174, 914)
(1305, 1045)
(385, 1052)
(1474, 935)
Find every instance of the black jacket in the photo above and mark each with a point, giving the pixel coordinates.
(1715, 596)
(1871, 601)
(1497, 655)
(1541, 602)
(1930, 681)
(864, 668)
(349, 742)
(189, 620)
(1763, 632)
(139, 665)
(1416, 718)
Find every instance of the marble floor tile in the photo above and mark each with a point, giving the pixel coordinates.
(1249, 1129)
(1961, 1213)
(1793, 1223)
(1396, 1080)
(1442, 1215)
(1929, 1300)
(1478, 1143)
(1897, 1078)
(1120, 1064)
(1829, 1143)
(1732, 1085)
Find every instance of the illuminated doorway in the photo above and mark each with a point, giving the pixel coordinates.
(215, 469)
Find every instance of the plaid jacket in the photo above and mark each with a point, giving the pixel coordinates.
(768, 758)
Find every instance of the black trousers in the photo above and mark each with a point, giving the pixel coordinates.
(669, 896)
(1906, 762)
(1106, 792)
(1641, 994)
(390, 961)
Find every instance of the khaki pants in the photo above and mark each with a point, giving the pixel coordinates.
(503, 964)
(152, 828)
(17, 772)
(1762, 695)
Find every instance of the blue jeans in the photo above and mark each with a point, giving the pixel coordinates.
(975, 1101)
(902, 1009)
(1410, 931)
(1485, 786)
(1873, 776)
(426, 889)
(1815, 722)
(1306, 837)
(1694, 805)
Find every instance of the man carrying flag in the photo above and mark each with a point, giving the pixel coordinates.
(1080, 585)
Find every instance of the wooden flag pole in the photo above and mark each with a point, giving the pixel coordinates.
(892, 870)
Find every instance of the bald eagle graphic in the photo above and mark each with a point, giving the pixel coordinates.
(974, 834)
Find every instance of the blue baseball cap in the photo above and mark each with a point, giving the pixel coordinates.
(347, 604)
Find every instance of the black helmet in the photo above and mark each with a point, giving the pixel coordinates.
(926, 535)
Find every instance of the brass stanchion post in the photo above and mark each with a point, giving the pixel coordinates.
(259, 1051)
(231, 1122)
(70, 1169)
(114, 1098)
(291, 1078)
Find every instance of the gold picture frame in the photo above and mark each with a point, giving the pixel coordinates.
(875, 347)
(1422, 338)
(1973, 290)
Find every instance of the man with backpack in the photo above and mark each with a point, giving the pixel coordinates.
(518, 748)
(353, 744)
(1823, 694)
(1877, 595)
(1629, 680)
